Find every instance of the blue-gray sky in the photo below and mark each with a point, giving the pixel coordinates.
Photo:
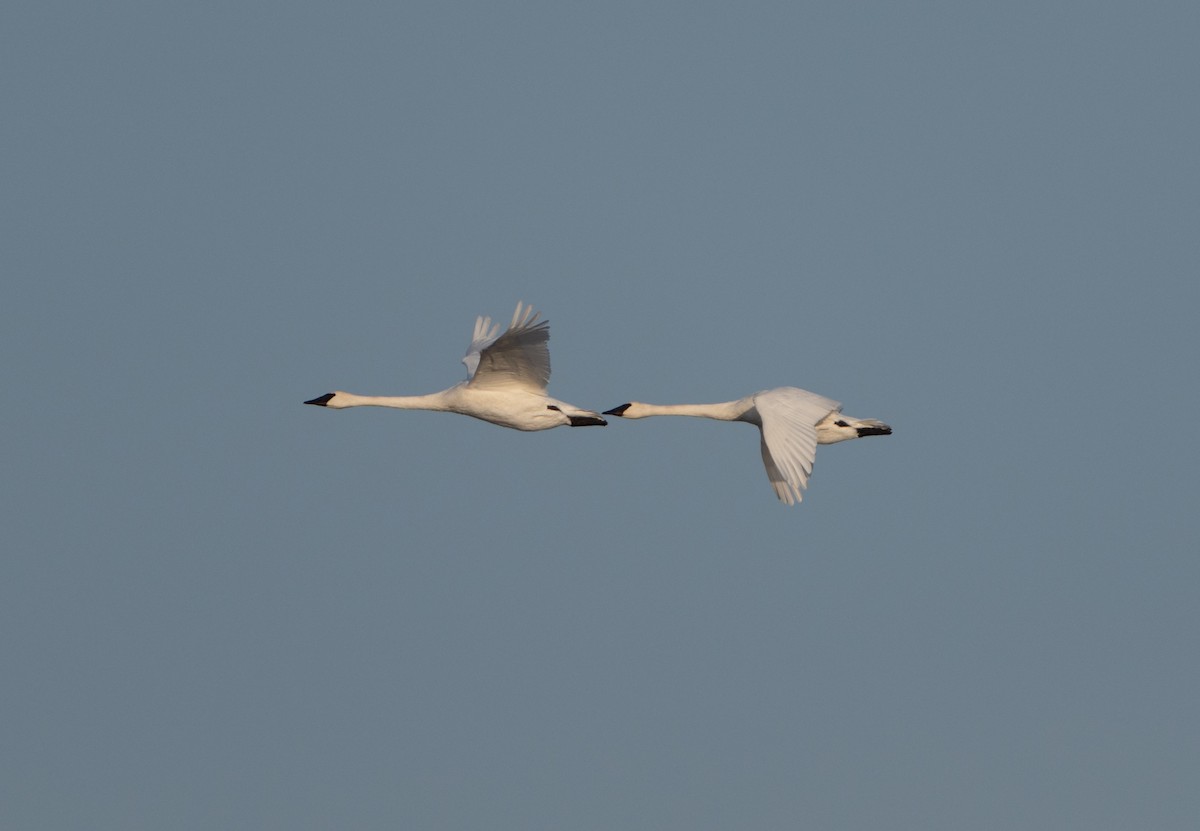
(223, 609)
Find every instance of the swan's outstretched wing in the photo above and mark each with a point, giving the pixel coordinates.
(789, 437)
(518, 358)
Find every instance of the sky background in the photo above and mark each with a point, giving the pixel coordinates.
(975, 221)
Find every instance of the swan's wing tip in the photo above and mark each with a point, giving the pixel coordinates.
(786, 495)
(484, 335)
(526, 317)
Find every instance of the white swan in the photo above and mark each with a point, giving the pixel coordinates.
(791, 421)
(507, 383)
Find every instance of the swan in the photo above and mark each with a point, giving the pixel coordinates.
(791, 423)
(507, 383)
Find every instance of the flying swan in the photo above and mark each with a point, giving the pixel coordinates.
(791, 423)
(507, 383)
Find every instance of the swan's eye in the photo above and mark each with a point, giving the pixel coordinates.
(840, 423)
(552, 407)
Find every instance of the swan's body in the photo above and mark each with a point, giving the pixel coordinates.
(791, 421)
(507, 383)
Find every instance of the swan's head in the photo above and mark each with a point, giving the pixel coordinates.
(330, 399)
(631, 410)
(838, 427)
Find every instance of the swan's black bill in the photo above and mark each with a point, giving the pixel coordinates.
(322, 400)
(617, 411)
(874, 431)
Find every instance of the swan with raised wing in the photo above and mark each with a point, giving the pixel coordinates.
(791, 423)
(508, 375)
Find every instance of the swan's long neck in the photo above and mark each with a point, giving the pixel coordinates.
(433, 401)
(726, 411)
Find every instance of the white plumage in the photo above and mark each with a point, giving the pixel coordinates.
(791, 422)
(508, 375)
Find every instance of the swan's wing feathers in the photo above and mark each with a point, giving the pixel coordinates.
(485, 333)
(789, 437)
(518, 358)
(779, 482)
(788, 451)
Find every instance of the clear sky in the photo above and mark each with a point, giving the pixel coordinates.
(223, 609)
